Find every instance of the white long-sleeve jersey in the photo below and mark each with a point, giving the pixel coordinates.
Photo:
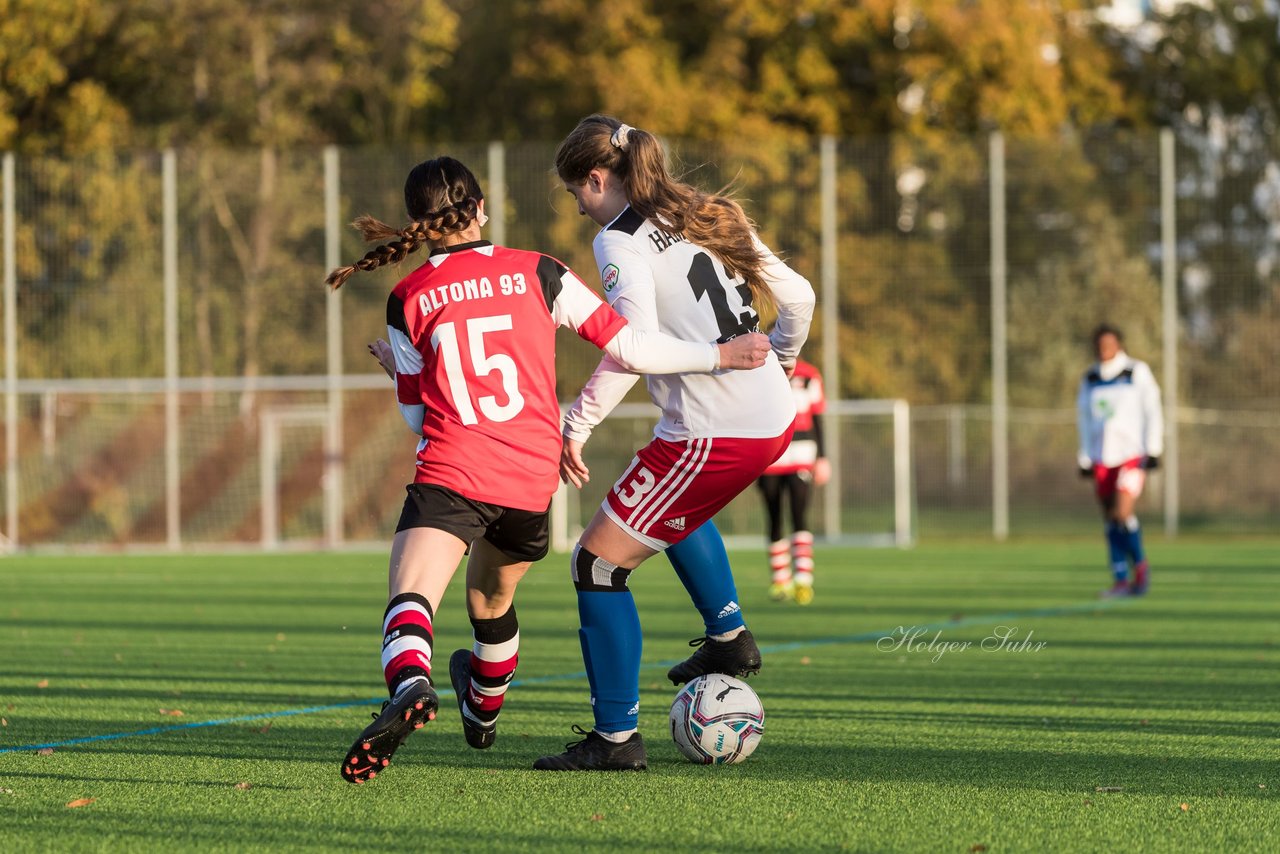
(568, 300)
(659, 281)
(1118, 413)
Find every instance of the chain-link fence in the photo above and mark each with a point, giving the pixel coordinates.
(177, 375)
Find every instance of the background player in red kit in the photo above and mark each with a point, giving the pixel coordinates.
(791, 478)
(472, 338)
(675, 259)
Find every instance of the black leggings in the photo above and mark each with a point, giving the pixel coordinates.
(798, 485)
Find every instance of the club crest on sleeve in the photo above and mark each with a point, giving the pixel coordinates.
(610, 277)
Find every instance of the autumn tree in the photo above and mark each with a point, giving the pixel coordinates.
(1212, 72)
(740, 89)
(52, 97)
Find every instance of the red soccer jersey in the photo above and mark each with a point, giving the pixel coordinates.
(806, 442)
(473, 330)
(806, 385)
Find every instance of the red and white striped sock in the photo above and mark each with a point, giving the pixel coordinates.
(802, 554)
(493, 664)
(779, 561)
(406, 641)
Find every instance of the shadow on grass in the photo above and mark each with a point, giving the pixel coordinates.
(972, 723)
(435, 826)
(141, 781)
(1136, 772)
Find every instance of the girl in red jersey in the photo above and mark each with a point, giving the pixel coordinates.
(792, 477)
(675, 259)
(472, 346)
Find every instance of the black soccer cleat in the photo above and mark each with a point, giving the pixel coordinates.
(399, 717)
(597, 753)
(737, 657)
(478, 736)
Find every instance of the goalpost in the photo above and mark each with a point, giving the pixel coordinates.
(847, 423)
(272, 421)
(869, 501)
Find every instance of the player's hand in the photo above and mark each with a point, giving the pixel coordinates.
(572, 468)
(788, 368)
(744, 352)
(1151, 463)
(382, 351)
(821, 471)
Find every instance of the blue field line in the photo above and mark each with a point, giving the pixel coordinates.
(983, 620)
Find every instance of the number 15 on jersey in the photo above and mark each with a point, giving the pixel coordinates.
(444, 340)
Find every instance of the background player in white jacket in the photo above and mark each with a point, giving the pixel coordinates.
(689, 264)
(1121, 438)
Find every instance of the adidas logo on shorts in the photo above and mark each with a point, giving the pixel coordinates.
(676, 523)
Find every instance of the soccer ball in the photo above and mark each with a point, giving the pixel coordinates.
(716, 720)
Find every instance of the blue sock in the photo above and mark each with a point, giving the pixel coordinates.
(1133, 540)
(611, 641)
(703, 566)
(1118, 549)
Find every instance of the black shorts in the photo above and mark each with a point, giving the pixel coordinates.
(519, 534)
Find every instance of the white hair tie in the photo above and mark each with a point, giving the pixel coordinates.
(619, 138)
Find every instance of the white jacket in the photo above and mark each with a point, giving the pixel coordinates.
(1118, 413)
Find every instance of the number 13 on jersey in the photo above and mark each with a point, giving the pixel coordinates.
(705, 281)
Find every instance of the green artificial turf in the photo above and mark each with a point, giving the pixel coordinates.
(1138, 725)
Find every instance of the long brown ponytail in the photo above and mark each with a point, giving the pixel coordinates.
(714, 222)
(442, 197)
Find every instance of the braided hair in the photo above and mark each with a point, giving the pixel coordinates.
(442, 197)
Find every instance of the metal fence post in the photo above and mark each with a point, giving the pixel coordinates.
(268, 487)
(999, 348)
(1169, 322)
(334, 468)
(10, 353)
(172, 470)
(830, 336)
(902, 479)
(956, 476)
(496, 200)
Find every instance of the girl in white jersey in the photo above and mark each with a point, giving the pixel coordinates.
(680, 261)
(1121, 438)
